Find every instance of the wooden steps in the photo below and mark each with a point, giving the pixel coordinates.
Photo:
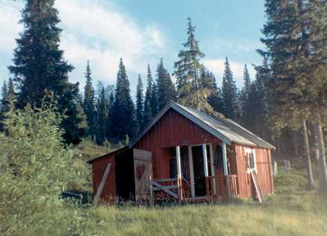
(165, 188)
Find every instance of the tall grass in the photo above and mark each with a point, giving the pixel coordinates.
(291, 211)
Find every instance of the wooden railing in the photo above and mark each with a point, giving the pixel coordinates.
(225, 187)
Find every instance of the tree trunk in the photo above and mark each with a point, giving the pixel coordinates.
(279, 146)
(307, 153)
(322, 158)
(296, 149)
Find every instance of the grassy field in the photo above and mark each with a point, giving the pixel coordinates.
(290, 211)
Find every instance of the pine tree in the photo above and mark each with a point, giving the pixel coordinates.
(188, 74)
(188, 67)
(139, 105)
(39, 67)
(229, 93)
(123, 108)
(154, 99)
(148, 98)
(244, 94)
(314, 57)
(166, 89)
(89, 102)
(102, 119)
(288, 90)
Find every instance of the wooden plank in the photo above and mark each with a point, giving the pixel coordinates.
(165, 180)
(179, 172)
(257, 187)
(212, 169)
(101, 186)
(142, 175)
(171, 193)
(225, 158)
(190, 156)
(165, 187)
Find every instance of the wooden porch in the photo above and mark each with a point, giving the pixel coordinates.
(216, 188)
(181, 190)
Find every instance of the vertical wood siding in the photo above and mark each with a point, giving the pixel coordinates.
(171, 130)
(263, 162)
(98, 168)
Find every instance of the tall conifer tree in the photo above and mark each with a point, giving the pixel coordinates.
(89, 101)
(39, 66)
(188, 74)
(148, 98)
(102, 119)
(139, 105)
(287, 48)
(244, 94)
(166, 89)
(123, 108)
(229, 93)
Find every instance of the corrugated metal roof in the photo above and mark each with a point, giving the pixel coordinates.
(222, 128)
(230, 129)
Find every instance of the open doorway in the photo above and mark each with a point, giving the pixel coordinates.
(198, 169)
(125, 185)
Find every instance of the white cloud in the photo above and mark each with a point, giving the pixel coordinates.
(217, 66)
(97, 31)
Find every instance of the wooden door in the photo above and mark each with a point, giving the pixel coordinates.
(143, 175)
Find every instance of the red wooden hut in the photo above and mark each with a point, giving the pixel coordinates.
(186, 155)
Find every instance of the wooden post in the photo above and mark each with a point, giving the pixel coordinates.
(213, 170)
(307, 153)
(101, 186)
(191, 171)
(226, 169)
(275, 168)
(205, 165)
(287, 165)
(179, 173)
(225, 159)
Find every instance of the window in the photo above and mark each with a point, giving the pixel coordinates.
(250, 160)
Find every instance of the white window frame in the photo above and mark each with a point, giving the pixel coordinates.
(247, 152)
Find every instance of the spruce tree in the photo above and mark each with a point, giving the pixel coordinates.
(148, 98)
(229, 93)
(123, 108)
(166, 89)
(89, 102)
(139, 105)
(39, 66)
(188, 74)
(102, 118)
(244, 94)
(288, 90)
(154, 99)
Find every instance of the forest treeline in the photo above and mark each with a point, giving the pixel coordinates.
(285, 101)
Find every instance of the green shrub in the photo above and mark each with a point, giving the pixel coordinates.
(35, 167)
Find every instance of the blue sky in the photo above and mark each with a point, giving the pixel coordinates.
(142, 32)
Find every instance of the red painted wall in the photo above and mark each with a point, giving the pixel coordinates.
(171, 130)
(264, 173)
(98, 168)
